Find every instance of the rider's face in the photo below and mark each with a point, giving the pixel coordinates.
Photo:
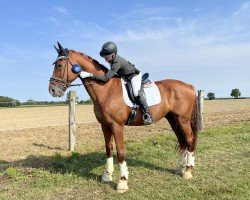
(109, 58)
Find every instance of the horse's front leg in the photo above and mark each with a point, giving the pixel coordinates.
(118, 133)
(108, 136)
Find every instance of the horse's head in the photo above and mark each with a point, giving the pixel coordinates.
(62, 75)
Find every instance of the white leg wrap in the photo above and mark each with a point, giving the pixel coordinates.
(190, 159)
(110, 165)
(183, 158)
(107, 176)
(123, 170)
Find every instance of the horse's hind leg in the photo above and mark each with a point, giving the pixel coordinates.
(186, 129)
(107, 176)
(182, 160)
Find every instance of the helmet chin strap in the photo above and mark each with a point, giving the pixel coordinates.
(113, 57)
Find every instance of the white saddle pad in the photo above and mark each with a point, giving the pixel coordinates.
(152, 93)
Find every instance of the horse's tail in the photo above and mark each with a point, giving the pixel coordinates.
(196, 120)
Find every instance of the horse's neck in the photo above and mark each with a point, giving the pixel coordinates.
(99, 91)
(96, 90)
(91, 65)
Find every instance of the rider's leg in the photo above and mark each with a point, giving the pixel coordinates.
(136, 84)
(140, 99)
(147, 117)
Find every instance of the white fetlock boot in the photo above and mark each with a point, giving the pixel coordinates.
(190, 164)
(122, 185)
(107, 176)
(182, 160)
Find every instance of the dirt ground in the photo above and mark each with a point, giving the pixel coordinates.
(43, 131)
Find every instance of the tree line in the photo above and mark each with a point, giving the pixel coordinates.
(10, 102)
(235, 93)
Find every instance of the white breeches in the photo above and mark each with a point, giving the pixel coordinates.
(136, 84)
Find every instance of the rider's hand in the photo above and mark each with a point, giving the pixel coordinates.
(78, 70)
(85, 74)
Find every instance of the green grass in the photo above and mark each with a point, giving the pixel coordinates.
(222, 171)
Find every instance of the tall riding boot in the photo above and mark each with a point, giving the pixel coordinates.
(147, 117)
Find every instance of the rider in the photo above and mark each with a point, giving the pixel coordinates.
(123, 68)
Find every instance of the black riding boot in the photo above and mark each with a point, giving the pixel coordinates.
(147, 117)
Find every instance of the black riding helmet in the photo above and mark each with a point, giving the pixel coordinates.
(108, 48)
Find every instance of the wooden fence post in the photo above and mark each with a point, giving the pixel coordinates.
(72, 122)
(200, 105)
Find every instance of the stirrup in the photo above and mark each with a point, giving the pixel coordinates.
(147, 119)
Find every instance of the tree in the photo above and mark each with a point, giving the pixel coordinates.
(8, 102)
(210, 95)
(235, 93)
(30, 102)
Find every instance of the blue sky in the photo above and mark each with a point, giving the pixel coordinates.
(202, 42)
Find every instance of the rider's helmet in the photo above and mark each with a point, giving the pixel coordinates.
(108, 48)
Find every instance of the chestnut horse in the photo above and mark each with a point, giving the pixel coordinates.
(178, 105)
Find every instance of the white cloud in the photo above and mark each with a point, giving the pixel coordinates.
(186, 44)
(244, 8)
(61, 10)
(159, 41)
(55, 21)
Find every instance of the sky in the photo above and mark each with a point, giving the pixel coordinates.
(202, 42)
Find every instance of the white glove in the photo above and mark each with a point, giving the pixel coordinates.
(85, 74)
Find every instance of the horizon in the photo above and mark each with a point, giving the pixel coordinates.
(205, 43)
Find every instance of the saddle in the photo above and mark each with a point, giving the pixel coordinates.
(148, 89)
(144, 80)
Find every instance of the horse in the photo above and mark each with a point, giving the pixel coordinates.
(178, 105)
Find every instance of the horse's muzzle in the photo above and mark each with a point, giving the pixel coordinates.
(55, 91)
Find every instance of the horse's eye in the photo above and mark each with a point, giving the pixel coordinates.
(58, 66)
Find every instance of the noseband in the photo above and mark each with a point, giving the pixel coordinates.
(60, 82)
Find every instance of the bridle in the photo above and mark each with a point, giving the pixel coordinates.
(60, 82)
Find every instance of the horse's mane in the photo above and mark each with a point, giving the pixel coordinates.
(91, 59)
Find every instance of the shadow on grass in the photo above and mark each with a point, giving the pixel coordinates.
(79, 164)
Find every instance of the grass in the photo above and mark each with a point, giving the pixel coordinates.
(222, 171)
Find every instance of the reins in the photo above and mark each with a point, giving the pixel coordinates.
(88, 83)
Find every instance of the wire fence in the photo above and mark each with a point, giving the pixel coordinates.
(18, 103)
(40, 103)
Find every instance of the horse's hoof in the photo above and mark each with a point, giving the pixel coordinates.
(122, 186)
(107, 177)
(181, 170)
(187, 175)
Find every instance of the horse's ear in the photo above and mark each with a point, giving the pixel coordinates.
(61, 51)
(60, 46)
(58, 51)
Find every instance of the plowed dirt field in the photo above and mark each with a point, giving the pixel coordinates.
(44, 130)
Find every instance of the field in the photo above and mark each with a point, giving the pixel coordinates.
(34, 160)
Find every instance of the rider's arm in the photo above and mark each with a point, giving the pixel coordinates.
(106, 77)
